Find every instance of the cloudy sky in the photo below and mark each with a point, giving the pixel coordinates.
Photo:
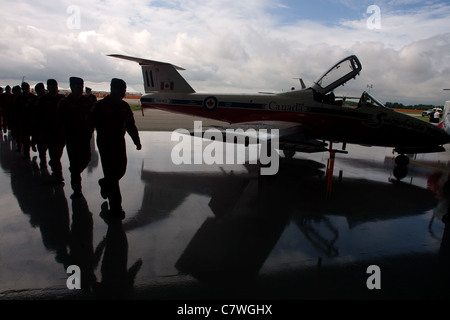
(233, 46)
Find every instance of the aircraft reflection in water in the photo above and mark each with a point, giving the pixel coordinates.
(70, 238)
(251, 212)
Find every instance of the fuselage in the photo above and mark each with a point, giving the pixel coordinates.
(369, 123)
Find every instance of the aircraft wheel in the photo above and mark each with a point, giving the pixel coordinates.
(400, 172)
(402, 160)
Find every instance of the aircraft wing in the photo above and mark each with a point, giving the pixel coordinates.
(290, 135)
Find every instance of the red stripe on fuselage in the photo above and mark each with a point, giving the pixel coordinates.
(318, 126)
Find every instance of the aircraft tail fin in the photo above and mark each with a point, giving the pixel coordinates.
(160, 76)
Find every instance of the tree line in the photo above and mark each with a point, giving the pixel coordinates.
(396, 105)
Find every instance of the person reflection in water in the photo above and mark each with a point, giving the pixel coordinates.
(117, 281)
(81, 243)
(112, 118)
(44, 203)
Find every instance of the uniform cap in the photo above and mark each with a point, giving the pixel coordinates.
(118, 83)
(76, 81)
(52, 82)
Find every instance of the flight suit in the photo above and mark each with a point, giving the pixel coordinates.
(5, 101)
(50, 133)
(24, 120)
(111, 121)
(13, 116)
(73, 113)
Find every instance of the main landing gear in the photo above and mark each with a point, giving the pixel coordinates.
(401, 166)
(330, 166)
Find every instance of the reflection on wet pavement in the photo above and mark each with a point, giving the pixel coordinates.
(225, 231)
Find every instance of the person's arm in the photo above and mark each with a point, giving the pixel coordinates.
(132, 129)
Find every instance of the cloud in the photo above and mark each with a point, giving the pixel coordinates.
(229, 46)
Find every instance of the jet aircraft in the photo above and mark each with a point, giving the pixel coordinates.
(306, 119)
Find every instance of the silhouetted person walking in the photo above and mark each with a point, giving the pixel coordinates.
(73, 112)
(39, 88)
(14, 117)
(112, 117)
(24, 118)
(50, 132)
(91, 95)
(5, 101)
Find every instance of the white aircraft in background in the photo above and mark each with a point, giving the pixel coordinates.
(445, 123)
(306, 118)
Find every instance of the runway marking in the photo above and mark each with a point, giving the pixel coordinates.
(429, 166)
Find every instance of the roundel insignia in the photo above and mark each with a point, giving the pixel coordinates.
(210, 103)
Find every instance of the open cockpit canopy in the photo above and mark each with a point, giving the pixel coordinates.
(368, 100)
(339, 74)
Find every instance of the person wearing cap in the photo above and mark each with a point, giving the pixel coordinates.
(39, 88)
(49, 132)
(12, 115)
(73, 112)
(5, 101)
(112, 118)
(91, 95)
(23, 117)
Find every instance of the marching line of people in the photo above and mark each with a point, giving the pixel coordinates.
(48, 121)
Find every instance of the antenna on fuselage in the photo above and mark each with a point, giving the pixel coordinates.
(301, 82)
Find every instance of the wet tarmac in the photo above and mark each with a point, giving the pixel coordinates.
(212, 232)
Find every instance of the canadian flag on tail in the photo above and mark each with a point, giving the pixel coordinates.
(167, 85)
